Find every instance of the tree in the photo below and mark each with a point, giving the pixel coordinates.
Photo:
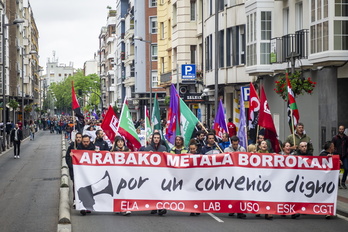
(84, 85)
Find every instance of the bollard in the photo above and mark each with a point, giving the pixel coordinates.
(64, 164)
(64, 209)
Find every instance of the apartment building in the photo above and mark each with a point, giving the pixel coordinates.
(107, 39)
(20, 78)
(122, 7)
(304, 36)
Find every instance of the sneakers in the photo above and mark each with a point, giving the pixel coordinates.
(17, 157)
(127, 213)
(153, 211)
(343, 185)
(162, 211)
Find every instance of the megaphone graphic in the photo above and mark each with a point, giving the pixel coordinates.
(103, 186)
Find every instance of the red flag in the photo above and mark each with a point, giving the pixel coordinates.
(254, 107)
(266, 121)
(110, 124)
(75, 104)
(293, 113)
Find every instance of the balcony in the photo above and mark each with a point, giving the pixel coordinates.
(282, 47)
(166, 79)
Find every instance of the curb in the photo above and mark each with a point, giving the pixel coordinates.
(64, 222)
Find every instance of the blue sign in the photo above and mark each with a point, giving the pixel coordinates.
(199, 114)
(188, 71)
(246, 93)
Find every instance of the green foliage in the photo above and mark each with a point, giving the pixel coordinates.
(166, 100)
(13, 104)
(83, 85)
(299, 85)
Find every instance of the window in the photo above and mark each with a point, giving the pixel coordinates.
(319, 28)
(193, 10)
(162, 65)
(299, 16)
(235, 45)
(193, 53)
(251, 39)
(153, 52)
(221, 49)
(285, 21)
(208, 52)
(340, 35)
(153, 25)
(221, 4)
(266, 24)
(341, 8)
(162, 30)
(174, 14)
(153, 3)
(154, 77)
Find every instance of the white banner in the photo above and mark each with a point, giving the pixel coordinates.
(222, 183)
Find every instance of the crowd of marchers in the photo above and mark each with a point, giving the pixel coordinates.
(204, 141)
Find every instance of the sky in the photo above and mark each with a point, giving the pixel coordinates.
(70, 28)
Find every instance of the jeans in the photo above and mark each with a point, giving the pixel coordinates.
(345, 167)
(17, 147)
(32, 135)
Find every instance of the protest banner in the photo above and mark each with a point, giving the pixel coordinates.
(236, 182)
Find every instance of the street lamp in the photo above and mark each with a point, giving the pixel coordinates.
(150, 73)
(30, 53)
(3, 27)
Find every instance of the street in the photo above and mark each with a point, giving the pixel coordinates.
(29, 200)
(173, 221)
(29, 191)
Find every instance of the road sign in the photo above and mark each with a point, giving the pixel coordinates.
(188, 71)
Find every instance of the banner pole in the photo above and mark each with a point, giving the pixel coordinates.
(205, 129)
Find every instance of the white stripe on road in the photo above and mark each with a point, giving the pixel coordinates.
(215, 217)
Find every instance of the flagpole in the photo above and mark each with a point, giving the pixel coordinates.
(205, 129)
(292, 126)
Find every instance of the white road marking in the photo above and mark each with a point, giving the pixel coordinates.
(215, 217)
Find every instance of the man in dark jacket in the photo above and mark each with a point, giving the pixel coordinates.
(211, 147)
(16, 138)
(86, 144)
(156, 146)
(68, 159)
(100, 142)
(72, 146)
(340, 142)
(155, 143)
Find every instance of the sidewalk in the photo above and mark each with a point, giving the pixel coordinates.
(342, 202)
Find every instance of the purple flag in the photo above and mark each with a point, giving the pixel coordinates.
(173, 115)
(242, 122)
(95, 114)
(220, 125)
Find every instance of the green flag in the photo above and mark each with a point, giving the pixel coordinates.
(188, 122)
(127, 130)
(148, 129)
(156, 117)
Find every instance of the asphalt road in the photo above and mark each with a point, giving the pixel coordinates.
(29, 199)
(173, 221)
(29, 190)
